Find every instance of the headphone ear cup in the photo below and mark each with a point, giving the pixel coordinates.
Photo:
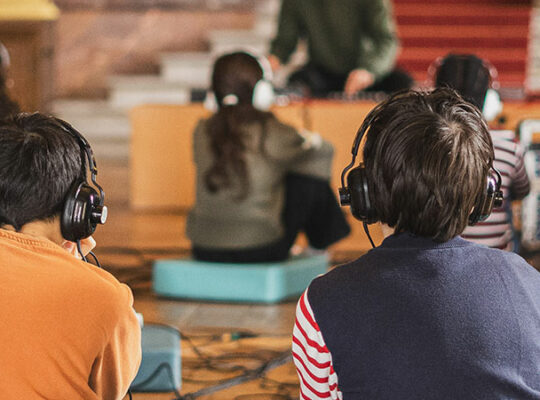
(361, 206)
(492, 105)
(82, 212)
(490, 198)
(263, 95)
(210, 102)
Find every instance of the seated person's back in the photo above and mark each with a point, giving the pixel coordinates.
(472, 78)
(427, 314)
(68, 327)
(259, 181)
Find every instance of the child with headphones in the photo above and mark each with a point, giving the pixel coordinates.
(68, 327)
(476, 80)
(259, 181)
(426, 314)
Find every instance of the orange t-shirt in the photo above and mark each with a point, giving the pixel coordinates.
(67, 328)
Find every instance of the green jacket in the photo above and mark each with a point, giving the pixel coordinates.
(342, 35)
(222, 221)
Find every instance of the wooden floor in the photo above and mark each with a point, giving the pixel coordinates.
(126, 247)
(129, 242)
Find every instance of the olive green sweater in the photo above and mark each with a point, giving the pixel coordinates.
(221, 220)
(342, 35)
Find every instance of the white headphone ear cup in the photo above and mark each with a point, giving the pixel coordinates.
(263, 95)
(210, 102)
(492, 105)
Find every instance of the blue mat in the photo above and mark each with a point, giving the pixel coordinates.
(160, 369)
(264, 282)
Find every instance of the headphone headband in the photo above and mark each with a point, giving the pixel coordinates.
(360, 133)
(263, 92)
(493, 73)
(87, 150)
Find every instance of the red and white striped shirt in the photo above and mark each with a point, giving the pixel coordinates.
(312, 359)
(497, 231)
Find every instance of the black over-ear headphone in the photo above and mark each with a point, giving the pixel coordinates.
(83, 206)
(356, 193)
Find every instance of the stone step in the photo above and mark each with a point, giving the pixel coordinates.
(224, 41)
(107, 129)
(266, 25)
(128, 91)
(190, 69)
(268, 8)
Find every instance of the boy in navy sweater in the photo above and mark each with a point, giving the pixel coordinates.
(427, 314)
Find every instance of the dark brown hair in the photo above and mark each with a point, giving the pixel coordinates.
(427, 156)
(466, 74)
(234, 74)
(39, 162)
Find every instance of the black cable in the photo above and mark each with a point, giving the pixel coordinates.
(366, 229)
(209, 363)
(95, 259)
(79, 249)
(248, 376)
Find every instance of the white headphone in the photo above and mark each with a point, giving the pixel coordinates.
(493, 105)
(4, 57)
(263, 91)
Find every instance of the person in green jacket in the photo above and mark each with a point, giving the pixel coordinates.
(352, 46)
(259, 182)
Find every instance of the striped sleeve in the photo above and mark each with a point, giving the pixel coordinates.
(313, 361)
(497, 230)
(520, 181)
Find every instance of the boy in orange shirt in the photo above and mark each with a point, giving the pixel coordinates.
(67, 328)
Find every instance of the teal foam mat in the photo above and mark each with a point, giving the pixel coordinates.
(264, 282)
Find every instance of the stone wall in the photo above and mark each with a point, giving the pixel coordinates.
(99, 38)
(147, 4)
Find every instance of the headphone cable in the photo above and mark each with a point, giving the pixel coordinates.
(79, 249)
(366, 229)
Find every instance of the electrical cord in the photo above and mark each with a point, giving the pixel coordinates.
(214, 363)
(79, 249)
(251, 374)
(95, 259)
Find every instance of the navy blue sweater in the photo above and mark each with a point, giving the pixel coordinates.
(416, 319)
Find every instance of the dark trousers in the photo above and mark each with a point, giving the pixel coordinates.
(311, 207)
(317, 82)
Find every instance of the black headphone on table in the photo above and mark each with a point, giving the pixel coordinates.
(83, 206)
(356, 193)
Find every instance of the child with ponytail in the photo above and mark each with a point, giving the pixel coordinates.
(259, 181)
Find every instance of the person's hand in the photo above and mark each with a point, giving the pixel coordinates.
(358, 79)
(275, 64)
(87, 245)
